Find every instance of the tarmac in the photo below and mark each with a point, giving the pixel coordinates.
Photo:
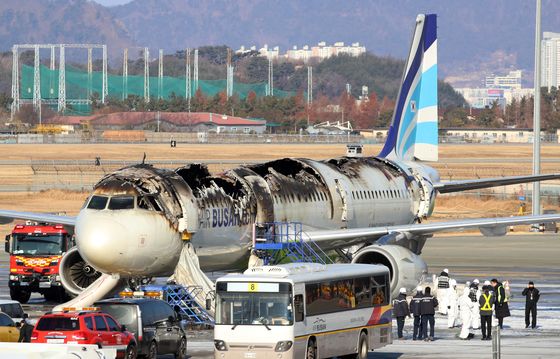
(518, 258)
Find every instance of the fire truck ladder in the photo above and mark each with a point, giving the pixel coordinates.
(282, 242)
(183, 301)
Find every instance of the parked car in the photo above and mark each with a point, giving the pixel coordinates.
(154, 323)
(88, 326)
(8, 330)
(12, 308)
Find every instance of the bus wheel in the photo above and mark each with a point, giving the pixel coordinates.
(311, 352)
(21, 296)
(362, 346)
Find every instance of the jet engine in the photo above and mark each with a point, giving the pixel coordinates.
(75, 274)
(406, 269)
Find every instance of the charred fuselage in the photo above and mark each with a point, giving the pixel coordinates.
(145, 213)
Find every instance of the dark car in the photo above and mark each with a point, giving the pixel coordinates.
(152, 321)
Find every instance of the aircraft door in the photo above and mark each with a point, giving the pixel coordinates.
(347, 213)
(263, 197)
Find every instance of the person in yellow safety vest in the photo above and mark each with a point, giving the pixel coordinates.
(501, 306)
(486, 302)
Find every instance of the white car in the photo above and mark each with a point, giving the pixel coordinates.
(12, 308)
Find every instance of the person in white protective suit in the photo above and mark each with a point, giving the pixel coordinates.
(441, 284)
(452, 306)
(466, 307)
(475, 297)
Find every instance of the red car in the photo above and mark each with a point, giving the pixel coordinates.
(86, 326)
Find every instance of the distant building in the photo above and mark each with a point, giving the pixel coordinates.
(269, 53)
(305, 53)
(168, 122)
(295, 54)
(500, 89)
(485, 97)
(509, 81)
(489, 135)
(470, 135)
(550, 60)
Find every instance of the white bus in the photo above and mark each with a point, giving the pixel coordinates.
(303, 310)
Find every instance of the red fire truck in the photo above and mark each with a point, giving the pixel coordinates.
(35, 251)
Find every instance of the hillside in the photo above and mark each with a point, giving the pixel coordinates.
(59, 21)
(475, 37)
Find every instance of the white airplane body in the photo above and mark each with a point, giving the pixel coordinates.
(137, 220)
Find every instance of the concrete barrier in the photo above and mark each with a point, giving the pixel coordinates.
(30, 138)
(48, 351)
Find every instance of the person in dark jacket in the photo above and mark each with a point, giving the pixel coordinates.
(532, 296)
(401, 311)
(486, 302)
(501, 306)
(427, 311)
(415, 310)
(25, 332)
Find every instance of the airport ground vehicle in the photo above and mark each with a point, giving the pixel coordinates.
(8, 330)
(84, 326)
(152, 321)
(303, 310)
(35, 252)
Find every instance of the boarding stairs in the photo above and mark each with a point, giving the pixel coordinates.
(198, 288)
(183, 300)
(284, 242)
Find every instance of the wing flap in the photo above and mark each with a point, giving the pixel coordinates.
(7, 216)
(347, 237)
(459, 186)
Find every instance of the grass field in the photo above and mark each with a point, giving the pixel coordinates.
(188, 152)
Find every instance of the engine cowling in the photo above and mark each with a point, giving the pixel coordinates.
(406, 269)
(75, 274)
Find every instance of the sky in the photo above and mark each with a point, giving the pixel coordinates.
(112, 2)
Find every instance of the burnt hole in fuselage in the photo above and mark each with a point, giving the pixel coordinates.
(195, 174)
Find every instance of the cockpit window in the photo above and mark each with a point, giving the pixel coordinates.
(121, 202)
(149, 203)
(154, 203)
(97, 202)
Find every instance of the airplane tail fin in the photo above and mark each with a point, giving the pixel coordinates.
(413, 134)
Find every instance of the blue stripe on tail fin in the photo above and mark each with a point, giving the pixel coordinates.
(413, 133)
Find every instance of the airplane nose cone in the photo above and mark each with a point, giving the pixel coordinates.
(100, 241)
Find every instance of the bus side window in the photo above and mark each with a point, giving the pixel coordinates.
(298, 304)
(379, 290)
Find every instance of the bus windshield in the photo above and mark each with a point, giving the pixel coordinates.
(38, 244)
(253, 308)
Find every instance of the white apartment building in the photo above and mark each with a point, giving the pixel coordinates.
(510, 81)
(550, 59)
(321, 51)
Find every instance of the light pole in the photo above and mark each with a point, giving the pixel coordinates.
(537, 114)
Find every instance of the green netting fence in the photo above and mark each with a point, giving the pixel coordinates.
(80, 86)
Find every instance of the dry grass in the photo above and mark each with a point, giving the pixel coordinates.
(188, 152)
(466, 206)
(183, 152)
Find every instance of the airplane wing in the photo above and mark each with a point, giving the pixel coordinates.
(458, 186)
(488, 226)
(7, 216)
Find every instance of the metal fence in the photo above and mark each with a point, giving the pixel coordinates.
(215, 138)
(180, 137)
